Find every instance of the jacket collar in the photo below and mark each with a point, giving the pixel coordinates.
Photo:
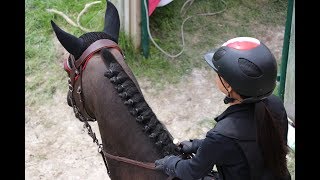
(232, 109)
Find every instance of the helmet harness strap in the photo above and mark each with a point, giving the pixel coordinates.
(227, 99)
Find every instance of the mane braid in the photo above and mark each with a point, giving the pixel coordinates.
(137, 106)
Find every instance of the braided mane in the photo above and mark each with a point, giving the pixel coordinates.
(132, 98)
(137, 106)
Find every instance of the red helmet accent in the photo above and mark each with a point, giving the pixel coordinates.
(242, 43)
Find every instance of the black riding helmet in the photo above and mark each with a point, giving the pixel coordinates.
(247, 65)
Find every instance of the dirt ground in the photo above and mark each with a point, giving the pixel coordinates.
(57, 148)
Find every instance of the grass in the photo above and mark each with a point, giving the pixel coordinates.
(44, 74)
(154, 68)
(203, 33)
(237, 20)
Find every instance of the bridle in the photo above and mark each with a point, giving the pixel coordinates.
(75, 69)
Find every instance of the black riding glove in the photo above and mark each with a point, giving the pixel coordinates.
(191, 146)
(167, 164)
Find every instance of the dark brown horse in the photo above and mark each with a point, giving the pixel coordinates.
(103, 88)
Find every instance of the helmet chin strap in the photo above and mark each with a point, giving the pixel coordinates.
(227, 99)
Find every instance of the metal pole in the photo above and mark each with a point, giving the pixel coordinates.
(144, 30)
(285, 50)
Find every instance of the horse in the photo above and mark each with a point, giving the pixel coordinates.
(102, 88)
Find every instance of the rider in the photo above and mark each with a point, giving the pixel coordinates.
(250, 136)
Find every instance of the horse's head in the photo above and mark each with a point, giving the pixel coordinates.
(78, 47)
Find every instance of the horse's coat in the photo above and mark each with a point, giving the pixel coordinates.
(110, 92)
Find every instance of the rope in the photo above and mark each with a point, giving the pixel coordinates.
(64, 16)
(182, 34)
(78, 18)
(190, 2)
(86, 7)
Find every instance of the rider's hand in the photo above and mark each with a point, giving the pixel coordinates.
(160, 163)
(191, 146)
(167, 164)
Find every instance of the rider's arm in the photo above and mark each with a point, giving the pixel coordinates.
(215, 149)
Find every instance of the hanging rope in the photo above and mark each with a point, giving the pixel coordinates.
(182, 13)
(187, 18)
(78, 18)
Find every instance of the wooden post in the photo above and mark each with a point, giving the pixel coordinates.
(135, 22)
(130, 19)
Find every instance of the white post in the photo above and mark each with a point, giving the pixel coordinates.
(135, 21)
(130, 19)
(126, 14)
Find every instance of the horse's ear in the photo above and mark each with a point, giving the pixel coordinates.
(112, 21)
(71, 43)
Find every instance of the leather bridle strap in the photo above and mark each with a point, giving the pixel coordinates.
(104, 154)
(77, 66)
(146, 165)
(117, 158)
(94, 47)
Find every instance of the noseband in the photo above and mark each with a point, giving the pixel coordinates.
(75, 68)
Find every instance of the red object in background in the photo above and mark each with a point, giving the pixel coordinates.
(152, 5)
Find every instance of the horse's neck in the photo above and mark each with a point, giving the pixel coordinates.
(120, 133)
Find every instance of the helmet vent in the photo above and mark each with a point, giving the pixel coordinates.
(218, 54)
(249, 68)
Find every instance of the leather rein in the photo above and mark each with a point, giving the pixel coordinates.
(78, 104)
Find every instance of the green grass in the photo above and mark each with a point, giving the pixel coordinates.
(239, 19)
(44, 73)
(154, 68)
(203, 33)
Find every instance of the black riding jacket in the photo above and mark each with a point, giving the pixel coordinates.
(231, 146)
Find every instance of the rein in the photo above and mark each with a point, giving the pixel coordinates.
(75, 74)
(117, 158)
